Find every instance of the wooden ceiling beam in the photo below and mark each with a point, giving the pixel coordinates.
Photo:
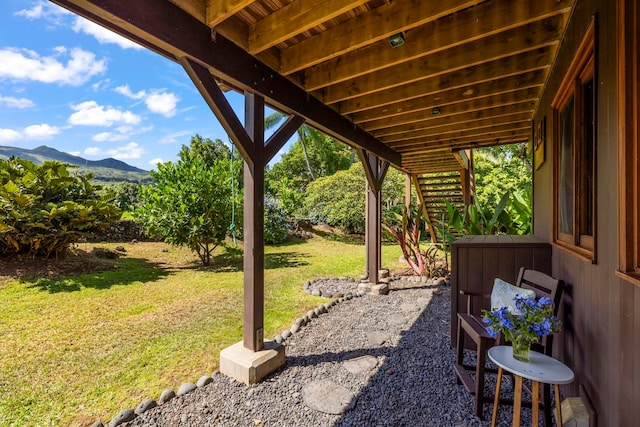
(377, 24)
(437, 57)
(498, 138)
(196, 8)
(457, 135)
(145, 21)
(497, 70)
(513, 121)
(532, 80)
(460, 76)
(509, 98)
(295, 18)
(526, 107)
(217, 11)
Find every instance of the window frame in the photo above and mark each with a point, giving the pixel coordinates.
(628, 42)
(582, 70)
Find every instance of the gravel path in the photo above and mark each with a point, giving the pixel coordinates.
(412, 384)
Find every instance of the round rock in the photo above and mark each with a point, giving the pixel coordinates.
(145, 405)
(204, 380)
(167, 395)
(186, 388)
(328, 397)
(123, 417)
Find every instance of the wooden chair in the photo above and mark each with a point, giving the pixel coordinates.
(472, 325)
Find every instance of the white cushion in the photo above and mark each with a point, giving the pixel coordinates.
(503, 294)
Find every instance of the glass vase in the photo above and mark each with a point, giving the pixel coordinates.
(521, 347)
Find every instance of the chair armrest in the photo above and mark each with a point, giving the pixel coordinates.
(469, 295)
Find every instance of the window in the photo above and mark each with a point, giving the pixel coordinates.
(575, 153)
(629, 138)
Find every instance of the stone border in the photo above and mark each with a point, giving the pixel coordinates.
(129, 414)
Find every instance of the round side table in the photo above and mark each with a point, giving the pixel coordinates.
(539, 369)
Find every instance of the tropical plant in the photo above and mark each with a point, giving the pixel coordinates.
(481, 219)
(44, 209)
(406, 229)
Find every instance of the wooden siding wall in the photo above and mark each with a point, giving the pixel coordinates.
(601, 339)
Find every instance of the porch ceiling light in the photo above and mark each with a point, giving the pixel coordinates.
(435, 111)
(396, 40)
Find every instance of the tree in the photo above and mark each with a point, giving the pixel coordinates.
(501, 169)
(339, 199)
(191, 202)
(44, 209)
(312, 156)
(125, 195)
(209, 151)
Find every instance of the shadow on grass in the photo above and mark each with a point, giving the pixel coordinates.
(127, 272)
(350, 239)
(231, 261)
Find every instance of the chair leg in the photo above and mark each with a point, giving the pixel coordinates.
(459, 349)
(481, 360)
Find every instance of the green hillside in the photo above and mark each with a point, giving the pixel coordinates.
(106, 170)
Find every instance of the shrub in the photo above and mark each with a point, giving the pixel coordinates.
(276, 224)
(44, 209)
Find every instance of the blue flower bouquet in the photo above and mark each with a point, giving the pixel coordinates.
(530, 320)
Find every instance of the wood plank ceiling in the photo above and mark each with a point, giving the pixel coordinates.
(469, 73)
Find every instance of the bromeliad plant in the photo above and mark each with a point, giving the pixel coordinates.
(530, 321)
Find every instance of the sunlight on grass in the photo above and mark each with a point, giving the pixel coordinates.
(76, 349)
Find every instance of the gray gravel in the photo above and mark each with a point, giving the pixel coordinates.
(413, 383)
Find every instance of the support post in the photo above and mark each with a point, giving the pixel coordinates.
(251, 359)
(375, 171)
(253, 328)
(373, 234)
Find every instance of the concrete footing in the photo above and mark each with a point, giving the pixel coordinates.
(574, 413)
(379, 289)
(248, 366)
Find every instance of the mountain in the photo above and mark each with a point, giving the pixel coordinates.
(106, 170)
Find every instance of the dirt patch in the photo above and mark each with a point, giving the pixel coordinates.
(76, 262)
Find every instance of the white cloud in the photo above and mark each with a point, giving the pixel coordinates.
(24, 64)
(18, 103)
(109, 136)
(126, 91)
(156, 161)
(42, 131)
(130, 151)
(89, 113)
(75, 153)
(43, 9)
(30, 133)
(162, 103)
(101, 84)
(103, 35)
(158, 101)
(10, 135)
(176, 138)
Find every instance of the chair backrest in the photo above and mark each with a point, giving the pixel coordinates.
(544, 286)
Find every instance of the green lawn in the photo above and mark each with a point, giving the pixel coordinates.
(79, 348)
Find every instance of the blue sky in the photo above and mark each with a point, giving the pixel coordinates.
(74, 86)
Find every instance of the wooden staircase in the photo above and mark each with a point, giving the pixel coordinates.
(452, 182)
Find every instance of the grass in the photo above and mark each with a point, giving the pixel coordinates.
(78, 348)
